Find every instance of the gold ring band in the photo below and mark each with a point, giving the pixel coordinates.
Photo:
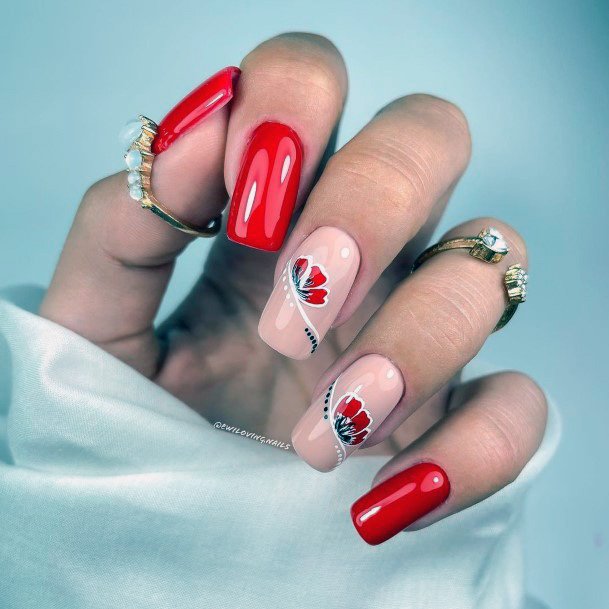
(138, 136)
(488, 246)
(515, 282)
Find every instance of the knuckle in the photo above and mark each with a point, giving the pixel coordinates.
(509, 424)
(95, 193)
(441, 112)
(309, 61)
(400, 175)
(95, 198)
(409, 154)
(529, 400)
(453, 319)
(447, 111)
(307, 41)
(500, 443)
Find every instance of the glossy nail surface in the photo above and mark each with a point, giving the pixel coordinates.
(208, 97)
(340, 420)
(266, 189)
(400, 501)
(310, 293)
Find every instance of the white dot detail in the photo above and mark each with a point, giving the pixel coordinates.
(345, 252)
(436, 480)
(390, 373)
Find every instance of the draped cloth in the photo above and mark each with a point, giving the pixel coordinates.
(114, 494)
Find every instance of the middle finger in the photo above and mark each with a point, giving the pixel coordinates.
(291, 94)
(373, 197)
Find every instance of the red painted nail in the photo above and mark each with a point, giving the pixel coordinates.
(212, 95)
(396, 503)
(266, 188)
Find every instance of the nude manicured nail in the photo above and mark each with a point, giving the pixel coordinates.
(310, 293)
(347, 412)
(399, 501)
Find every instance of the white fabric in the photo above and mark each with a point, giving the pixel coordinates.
(115, 494)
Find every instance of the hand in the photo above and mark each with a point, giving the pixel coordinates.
(396, 343)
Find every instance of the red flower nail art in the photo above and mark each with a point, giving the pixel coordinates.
(309, 281)
(351, 420)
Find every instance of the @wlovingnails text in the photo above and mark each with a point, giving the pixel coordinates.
(251, 435)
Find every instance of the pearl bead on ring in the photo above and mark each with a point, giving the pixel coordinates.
(137, 136)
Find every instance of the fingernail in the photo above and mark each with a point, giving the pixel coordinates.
(347, 412)
(400, 501)
(208, 97)
(310, 293)
(267, 185)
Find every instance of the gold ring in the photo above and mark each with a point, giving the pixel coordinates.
(489, 246)
(515, 281)
(138, 135)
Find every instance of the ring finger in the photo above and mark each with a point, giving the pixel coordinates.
(430, 327)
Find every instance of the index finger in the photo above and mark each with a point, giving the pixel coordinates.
(118, 258)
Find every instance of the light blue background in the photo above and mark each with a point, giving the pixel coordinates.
(533, 79)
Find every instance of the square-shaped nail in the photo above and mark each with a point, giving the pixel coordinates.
(310, 292)
(266, 188)
(340, 420)
(399, 501)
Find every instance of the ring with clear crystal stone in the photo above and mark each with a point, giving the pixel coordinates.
(489, 246)
(137, 136)
(515, 281)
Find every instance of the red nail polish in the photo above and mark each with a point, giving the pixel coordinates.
(396, 503)
(266, 188)
(208, 97)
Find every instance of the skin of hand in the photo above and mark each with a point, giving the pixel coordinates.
(384, 192)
